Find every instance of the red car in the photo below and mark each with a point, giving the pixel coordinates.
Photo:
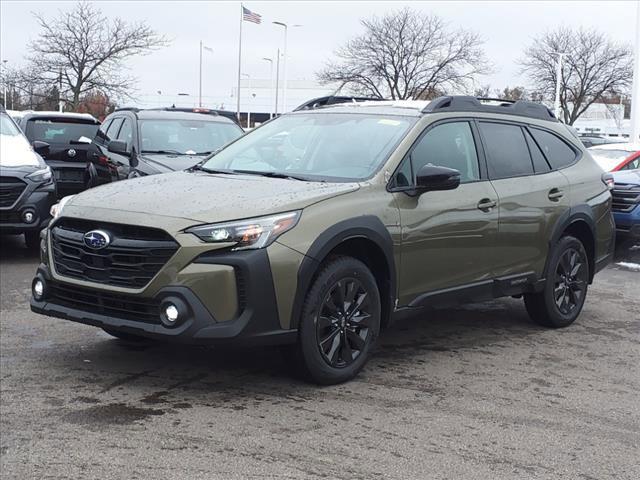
(613, 157)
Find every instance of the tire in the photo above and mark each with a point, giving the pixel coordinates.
(32, 240)
(335, 336)
(127, 337)
(564, 293)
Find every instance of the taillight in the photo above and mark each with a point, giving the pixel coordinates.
(607, 179)
(102, 160)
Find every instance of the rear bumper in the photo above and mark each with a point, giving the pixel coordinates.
(71, 177)
(256, 323)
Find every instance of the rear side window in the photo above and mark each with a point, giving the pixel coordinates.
(540, 165)
(507, 151)
(558, 153)
(101, 135)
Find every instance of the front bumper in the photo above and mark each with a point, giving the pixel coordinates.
(255, 321)
(35, 200)
(628, 223)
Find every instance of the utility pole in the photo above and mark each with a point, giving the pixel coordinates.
(635, 88)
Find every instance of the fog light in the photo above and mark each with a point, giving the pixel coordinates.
(38, 289)
(171, 312)
(28, 216)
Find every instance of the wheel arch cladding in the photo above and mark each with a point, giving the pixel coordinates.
(365, 238)
(577, 222)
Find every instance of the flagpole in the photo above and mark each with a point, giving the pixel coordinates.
(239, 65)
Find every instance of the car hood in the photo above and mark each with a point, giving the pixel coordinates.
(207, 198)
(171, 163)
(15, 151)
(627, 176)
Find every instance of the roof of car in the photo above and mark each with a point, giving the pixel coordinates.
(447, 104)
(153, 114)
(48, 114)
(631, 147)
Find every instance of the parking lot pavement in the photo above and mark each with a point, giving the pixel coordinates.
(474, 392)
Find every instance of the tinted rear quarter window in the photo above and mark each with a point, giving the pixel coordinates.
(540, 164)
(558, 153)
(507, 151)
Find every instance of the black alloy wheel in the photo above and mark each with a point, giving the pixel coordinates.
(570, 281)
(343, 323)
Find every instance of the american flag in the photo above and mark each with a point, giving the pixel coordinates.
(250, 16)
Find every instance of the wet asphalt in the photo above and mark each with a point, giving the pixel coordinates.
(477, 392)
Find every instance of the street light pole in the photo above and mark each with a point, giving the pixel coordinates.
(277, 81)
(249, 101)
(556, 106)
(270, 60)
(635, 88)
(4, 84)
(284, 66)
(200, 86)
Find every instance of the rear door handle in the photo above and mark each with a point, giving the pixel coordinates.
(486, 204)
(555, 194)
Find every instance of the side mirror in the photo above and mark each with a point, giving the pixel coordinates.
(119, 147)
(432, 177)
(41, 148)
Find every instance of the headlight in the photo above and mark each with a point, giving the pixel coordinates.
(56, 209)
(40, 176)
(248, 234)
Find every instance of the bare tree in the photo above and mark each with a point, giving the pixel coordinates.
(85, 51)
(407, 54)
(592, 67)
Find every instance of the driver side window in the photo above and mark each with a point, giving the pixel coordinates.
(448, 145)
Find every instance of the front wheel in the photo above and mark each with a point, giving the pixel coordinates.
(340, 322)
(562, 299)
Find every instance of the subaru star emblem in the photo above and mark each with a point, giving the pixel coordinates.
(96, 239)
(71, 152)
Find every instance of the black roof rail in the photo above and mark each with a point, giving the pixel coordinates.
(127, 109)
(474, 104)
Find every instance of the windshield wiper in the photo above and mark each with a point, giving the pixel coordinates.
(173, 152)
(272, 175)
(198, 166)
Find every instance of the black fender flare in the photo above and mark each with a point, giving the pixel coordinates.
(368, 227)
(578, 213)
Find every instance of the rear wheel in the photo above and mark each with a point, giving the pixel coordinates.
(340, 322)
(562, 299)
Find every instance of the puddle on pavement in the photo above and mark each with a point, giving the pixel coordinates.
(111, 414)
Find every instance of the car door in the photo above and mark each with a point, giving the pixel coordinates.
(532, 198)
(447, 236)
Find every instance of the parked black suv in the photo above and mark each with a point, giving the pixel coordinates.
(64, 140)
(27, 188)
(145, 142)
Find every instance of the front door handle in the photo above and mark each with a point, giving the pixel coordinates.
(486, 204)
(555, 194)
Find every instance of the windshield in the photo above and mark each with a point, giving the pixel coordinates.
(7, 127)
(186, 137)
(60, 130)
(609, 159)
(319, 146)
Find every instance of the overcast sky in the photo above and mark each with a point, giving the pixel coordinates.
(506, 27)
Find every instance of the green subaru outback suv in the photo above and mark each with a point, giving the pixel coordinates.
(321, 227)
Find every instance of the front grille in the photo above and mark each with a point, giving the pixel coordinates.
(109, 304)
(625, 197)
(131, 260)
(10, 190)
